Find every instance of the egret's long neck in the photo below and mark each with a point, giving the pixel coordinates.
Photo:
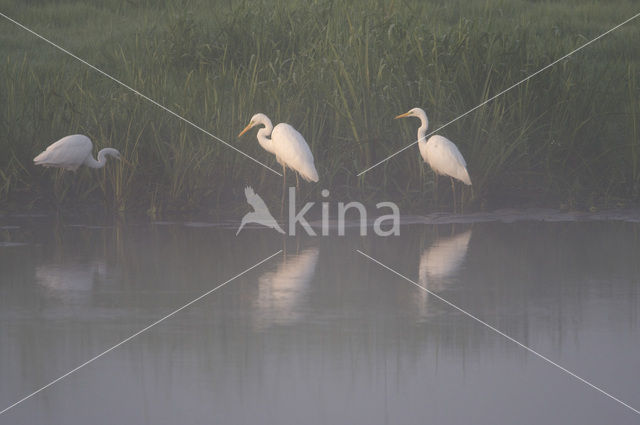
(102, 158)
(264, 136)
(92, 163)
(422, 131)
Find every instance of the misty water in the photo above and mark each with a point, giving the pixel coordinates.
(320, 334)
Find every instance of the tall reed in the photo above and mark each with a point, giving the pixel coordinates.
(337, 71)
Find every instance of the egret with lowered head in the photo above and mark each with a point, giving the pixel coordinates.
(71, 152)
(440, 153)
(289, 147)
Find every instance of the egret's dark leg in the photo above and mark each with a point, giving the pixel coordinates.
(57, 188)
(284, 181)
(453, 194)
(435, 190)
(297, 189)
(423, 186)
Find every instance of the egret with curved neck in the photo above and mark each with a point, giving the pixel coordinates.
(440, 153)
(289, 147)
(71, 152)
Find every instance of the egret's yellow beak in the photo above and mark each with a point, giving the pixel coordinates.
(124, 161)
(247, 128)
(406, 114)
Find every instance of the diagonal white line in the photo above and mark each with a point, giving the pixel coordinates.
(546, 359)
(503, 92)
(138, 333)
(138, 93)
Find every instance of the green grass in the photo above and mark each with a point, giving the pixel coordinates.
(339, 72)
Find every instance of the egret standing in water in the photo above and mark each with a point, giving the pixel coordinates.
(440, 153)
(289, 147)
(71, 152)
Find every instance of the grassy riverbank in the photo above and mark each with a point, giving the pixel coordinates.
(339, 73)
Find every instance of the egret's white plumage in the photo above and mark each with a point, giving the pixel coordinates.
(287, 144)
(444, 158)
(440, 153)
(71, 152)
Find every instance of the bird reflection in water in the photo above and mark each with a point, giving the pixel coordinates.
(71, 281)
(438, 263)
(282, 292)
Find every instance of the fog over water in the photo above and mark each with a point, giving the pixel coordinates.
(320, 334)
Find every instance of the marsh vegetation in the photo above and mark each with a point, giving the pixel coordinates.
(339, 72)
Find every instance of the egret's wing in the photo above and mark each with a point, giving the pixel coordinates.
(447, 151)
(68, 152)
(292, 150)
(445, 158)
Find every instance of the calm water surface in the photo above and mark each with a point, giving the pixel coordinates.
(319, 334)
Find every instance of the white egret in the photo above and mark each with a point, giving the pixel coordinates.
(440, 153)
(71, 152)
(289, 147)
